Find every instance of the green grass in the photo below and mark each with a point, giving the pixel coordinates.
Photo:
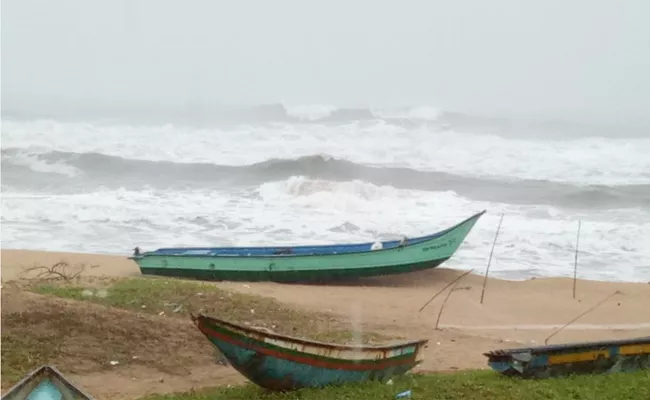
(36, 335)
(175, 297)
(481, 385)
(23, 353)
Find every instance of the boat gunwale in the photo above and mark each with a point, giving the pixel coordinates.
(431, 237)
(370, 361)
(247, 331)
(46, 369)
(566, 347)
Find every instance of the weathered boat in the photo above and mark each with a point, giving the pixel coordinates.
(45, 383)
(573, 358)
(306, 263)
(278, 362)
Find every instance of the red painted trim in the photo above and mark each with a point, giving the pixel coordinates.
(387, 363)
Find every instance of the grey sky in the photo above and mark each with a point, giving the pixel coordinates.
(541, 58)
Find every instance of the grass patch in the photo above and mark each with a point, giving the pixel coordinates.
(481, 385)
(22, 353)
(79, 338)
(174, 297)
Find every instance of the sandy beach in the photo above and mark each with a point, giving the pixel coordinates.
(514, 313)
(283, 128)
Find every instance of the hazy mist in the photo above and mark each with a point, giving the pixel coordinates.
(560, 59)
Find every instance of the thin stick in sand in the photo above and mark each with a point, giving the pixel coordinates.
(575, 264)
(487, 270)
(442, 307)
(581, 315)
(444, 288)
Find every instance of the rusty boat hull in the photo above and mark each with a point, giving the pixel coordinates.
(573, 358)
(278, 362)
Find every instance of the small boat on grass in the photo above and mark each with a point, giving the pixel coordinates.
(45, 383)
(573, 358)
(307, 263)
(279, 362)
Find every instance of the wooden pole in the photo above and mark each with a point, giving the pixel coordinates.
(487, 270)
(579, 316)
(442, 307)
(443, 289)
(575, 263)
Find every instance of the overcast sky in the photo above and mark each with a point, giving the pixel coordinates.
(540, 58)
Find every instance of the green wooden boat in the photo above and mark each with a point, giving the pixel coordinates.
(573, 358)
(278, 362)
(306, 263)
(45, 383)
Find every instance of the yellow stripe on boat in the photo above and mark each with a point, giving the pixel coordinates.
(631, 349)
(577, 357)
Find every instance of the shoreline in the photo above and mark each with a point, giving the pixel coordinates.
(12, 255)
(537, 302)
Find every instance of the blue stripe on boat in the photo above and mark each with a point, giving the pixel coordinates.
(295, 250)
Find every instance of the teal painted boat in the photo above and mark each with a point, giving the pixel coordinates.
(573, 358)
(278, 362)
(45, 383)
(306, 263)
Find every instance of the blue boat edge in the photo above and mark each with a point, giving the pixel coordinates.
(302, 250)
(32, 380)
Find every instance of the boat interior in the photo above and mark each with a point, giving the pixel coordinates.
(287, 250)
(299, 250)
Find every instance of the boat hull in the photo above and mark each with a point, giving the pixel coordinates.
(576, 358)
(45, 383)
(291, 276)
(325, 263)
(280, 363)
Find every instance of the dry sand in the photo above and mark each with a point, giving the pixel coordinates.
(514, 313)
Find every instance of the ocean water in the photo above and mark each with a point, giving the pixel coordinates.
(322, 175)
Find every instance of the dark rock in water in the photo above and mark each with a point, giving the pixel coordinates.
(345, 227)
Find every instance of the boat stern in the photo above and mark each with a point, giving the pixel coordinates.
(573, 358)
(510, 364)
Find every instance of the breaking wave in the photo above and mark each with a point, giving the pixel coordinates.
(325, 175)
(330, 115)
(49, 170)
